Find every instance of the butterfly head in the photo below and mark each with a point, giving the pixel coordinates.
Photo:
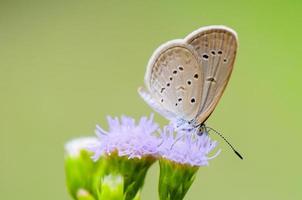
(201, 129)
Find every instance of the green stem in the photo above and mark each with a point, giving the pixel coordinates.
(175, 179)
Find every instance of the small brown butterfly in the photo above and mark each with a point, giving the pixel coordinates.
(185, 78)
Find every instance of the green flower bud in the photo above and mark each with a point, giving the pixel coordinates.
(81, 171)
(84, 195)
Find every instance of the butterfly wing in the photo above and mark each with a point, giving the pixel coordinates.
(175, 80)
(216, 47)
(146, 96)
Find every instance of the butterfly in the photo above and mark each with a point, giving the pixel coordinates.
(185, 78)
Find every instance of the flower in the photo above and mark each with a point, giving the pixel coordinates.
(182, 153)
(127, 138)
(127, 150)
(185, 147)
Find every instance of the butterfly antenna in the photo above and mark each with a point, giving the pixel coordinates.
(236, 152)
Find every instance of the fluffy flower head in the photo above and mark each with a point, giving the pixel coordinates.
(127, 138)
(186, 147)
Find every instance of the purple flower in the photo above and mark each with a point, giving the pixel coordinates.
(186, 147)
(127, 138)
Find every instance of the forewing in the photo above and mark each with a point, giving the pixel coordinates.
(216, 47)
(175, 80)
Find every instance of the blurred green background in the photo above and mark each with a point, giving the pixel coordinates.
(65, 65)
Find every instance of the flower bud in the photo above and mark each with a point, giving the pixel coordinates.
(80, 169)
